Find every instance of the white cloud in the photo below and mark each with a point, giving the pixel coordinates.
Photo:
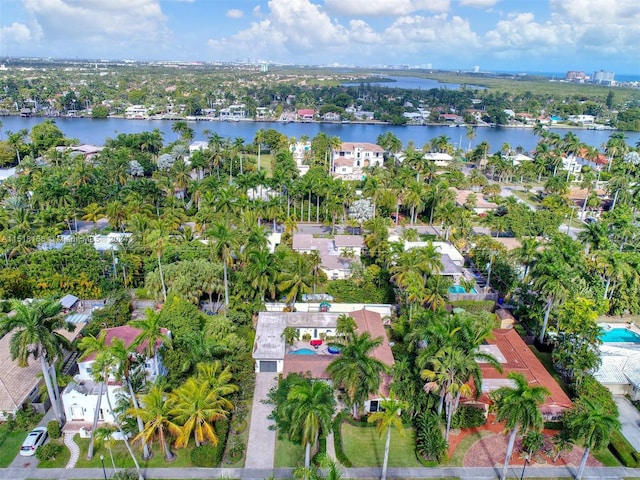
(418, 33)
(99, 25)
(478, 3)
(365, 8)
(235, 13)
(16, 33)
(292, 26)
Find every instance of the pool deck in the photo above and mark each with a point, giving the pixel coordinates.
(299, 345)
(610, 325)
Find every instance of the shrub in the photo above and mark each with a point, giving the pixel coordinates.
(125, 475)
(222, 429)
(48, 451)
(623, 450)
(468, 416)
(430, 443)
(53, 427)
(337, 439)
(27, 418)
(11, 423)
(202, 456)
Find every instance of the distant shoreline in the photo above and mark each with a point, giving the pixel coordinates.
(355, 122)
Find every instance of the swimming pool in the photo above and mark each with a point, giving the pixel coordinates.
(460, 289)
(303, 351)
(619, 335)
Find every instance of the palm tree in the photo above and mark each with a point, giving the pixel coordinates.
(297, 278)
(290, 334)
(385, 419)
(158, 239)
(592, 424)
(219, 380)
(156, 414)
(150, 335)
(356, 370)
(34, 332)
(103, 436)
(91, 345)
(224, 242)
(196, 409)
(519, 408)
(310, 406)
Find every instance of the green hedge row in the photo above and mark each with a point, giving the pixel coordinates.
(337, 439)
(209, 455)
(623, 450)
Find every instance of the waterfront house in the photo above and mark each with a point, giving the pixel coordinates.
(349, 160)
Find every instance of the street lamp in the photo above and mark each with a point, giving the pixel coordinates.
(526, 462)
(104, 472)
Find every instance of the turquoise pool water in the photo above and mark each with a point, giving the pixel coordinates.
(460, 289)
(303, 351)
(619, 335)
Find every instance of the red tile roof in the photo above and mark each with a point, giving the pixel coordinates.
(369, 321)
(127, 334)
(519, 358)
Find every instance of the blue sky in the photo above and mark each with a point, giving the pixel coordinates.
(509, 35)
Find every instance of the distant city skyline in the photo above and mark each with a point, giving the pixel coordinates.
(527, 35)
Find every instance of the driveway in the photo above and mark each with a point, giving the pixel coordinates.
(630, 420)
(262, 441)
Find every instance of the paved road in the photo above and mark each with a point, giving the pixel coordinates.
(475, 473)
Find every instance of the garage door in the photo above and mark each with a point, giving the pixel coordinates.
(268, 366)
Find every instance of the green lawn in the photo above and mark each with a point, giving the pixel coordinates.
(288, 454)
(606, 457)
(364, 447)
(9, 445)
(123, 460)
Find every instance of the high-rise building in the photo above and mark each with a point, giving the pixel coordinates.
(603, 77)
(575, 76)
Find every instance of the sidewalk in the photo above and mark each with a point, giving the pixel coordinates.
(464, 473)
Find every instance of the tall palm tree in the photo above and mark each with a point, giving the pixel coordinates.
(224, 243)
(310, 406)
(385, 419)
(357, 371)
(34, 330)
(296, 278)
(156, 415)
(91, 345)
(219, 380)
(519, 408)
(196, 409)
(158, 239)
(150, 335)
(593, 424)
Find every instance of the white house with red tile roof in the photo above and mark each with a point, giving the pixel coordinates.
(575, 161)
(80, 396)
(351, 158)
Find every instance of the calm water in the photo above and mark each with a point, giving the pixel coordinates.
(91, 131)
(413, 83)
(617, 335)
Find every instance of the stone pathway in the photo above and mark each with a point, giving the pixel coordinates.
(261, 446)
(73, 448)
(331, 446)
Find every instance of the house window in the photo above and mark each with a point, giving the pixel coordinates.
(374, 405)
(315, 333)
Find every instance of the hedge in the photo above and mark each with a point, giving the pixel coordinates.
(623, 450)
(337, 439)
(209, 455)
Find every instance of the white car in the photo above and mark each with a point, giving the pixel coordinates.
(36, 438)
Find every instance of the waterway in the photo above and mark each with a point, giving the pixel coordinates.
(95, 131)
(412, 83)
